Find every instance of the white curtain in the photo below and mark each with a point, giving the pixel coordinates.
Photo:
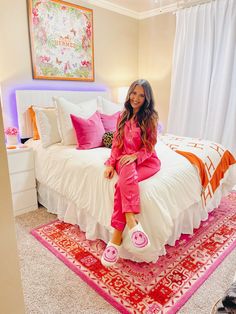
(203, 86)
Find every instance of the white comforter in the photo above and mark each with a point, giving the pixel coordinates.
(170, 200)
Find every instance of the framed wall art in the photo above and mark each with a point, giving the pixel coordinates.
(61, 38)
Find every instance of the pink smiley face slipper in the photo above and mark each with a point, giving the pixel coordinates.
(110, 254)
(139, 238)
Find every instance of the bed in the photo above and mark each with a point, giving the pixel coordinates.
(70, 184)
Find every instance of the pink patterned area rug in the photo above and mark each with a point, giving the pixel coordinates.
(136, 288)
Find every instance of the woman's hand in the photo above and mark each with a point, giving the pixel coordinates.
(109, 172)
(127, 159)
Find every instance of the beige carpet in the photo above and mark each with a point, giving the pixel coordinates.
(50, 287)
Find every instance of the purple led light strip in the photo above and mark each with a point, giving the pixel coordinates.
(9, 97)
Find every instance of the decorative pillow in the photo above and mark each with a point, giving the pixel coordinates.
(46, 120)
(107, 106)
(109, 121)
(33, 120)
(107, 139)
(65, 108)
(88, 132)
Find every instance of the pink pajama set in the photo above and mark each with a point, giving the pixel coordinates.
(127, 198)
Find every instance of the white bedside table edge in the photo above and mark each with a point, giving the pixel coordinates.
(26, 210)
(18, 150)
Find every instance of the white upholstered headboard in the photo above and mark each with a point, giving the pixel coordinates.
(44, 98)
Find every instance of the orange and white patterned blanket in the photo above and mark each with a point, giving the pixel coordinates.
(211, 159)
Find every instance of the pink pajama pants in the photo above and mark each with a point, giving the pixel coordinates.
(126, 198)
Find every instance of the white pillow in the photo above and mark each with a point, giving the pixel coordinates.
(46, 120)
(64, 108)
(108, 107)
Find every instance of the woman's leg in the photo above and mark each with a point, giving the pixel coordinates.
(130, 220)
(129, 188)
(128, 184)
(126, 198)
(126, 205)
(118, 218)
(129, 176)
(116, 237)
(111, 252)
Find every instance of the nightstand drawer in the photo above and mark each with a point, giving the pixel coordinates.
(22, 181)
(20, 161)
(24, 199)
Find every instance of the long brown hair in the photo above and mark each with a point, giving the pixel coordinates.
(147, 116)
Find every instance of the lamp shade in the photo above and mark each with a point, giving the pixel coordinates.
(122, 93)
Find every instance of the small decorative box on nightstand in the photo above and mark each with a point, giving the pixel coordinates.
(22, 178)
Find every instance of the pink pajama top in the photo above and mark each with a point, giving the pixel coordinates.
(132, 145)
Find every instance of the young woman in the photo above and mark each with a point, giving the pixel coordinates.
(134, 159)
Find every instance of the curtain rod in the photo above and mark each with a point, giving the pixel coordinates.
(186, 5)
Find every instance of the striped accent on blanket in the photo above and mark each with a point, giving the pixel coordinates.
(211, 159)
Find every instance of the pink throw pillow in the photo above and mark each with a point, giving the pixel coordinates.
(109, 121)
(89, 131)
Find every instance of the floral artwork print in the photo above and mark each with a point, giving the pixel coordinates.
(61, 40)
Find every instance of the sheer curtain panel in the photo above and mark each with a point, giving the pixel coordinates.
(203, 86)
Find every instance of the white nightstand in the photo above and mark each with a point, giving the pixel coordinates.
(22, 178)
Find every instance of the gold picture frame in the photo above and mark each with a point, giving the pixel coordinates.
(61, 40)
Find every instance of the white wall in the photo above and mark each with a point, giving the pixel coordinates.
(156, 41)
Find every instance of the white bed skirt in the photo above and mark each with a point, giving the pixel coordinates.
(189, 219)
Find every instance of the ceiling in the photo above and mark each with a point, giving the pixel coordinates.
(140, 6)
(141, 9)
